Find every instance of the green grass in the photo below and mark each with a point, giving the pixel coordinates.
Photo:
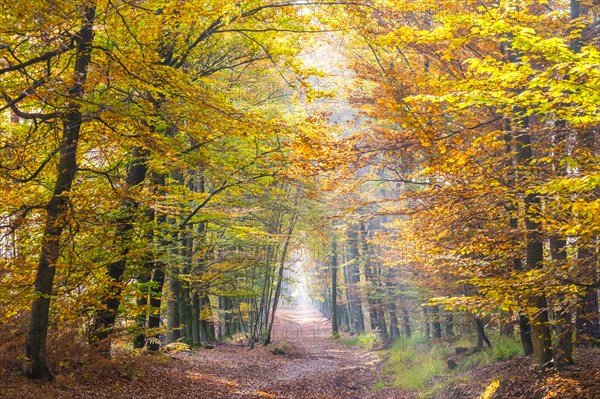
(503, 348)
(368, 341)
(415, 363)
(280, 349)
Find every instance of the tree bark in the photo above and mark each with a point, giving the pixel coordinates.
(538, 315)
(562, 314)
(196, 341)
(158, 278)
(449, 326)
(106, 317)
(437, 325)
(406, 323)
(481, 336)
(357, 316)
(394, 329)
(525, 334)
(57, 208)
(334, 267)
(588, 321)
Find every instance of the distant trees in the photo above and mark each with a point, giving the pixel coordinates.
(482, 125)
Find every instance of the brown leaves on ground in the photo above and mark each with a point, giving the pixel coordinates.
(301, 363)
(519, 381)
(227, 371)
(306, 364)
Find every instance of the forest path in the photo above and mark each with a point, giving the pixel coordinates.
(312, 367)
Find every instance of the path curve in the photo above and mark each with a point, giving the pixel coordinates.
(312, 366)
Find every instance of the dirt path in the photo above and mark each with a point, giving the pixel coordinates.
(313, 366)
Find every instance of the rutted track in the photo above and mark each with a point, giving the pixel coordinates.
(313, 366)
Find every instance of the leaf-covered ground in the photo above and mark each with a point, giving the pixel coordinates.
(517, 380)
(301, 363)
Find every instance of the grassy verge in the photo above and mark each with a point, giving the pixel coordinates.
(369, 341)
(419, 365)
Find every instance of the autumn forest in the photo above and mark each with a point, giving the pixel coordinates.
(299, 199)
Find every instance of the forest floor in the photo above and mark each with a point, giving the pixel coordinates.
(303, 363)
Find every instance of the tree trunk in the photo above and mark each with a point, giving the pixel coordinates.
(334, 309)
(207, 328)
(367, 270)
(185, 298)
(406, 323)
(282, 261)
(106, 317)
(196, 320)
(449, 326)
(562, 314)
(35, 365)
(588, 323)
(426, 323)
(141, 319)
(437, 325)
(358, 320)
(525, 334)
(173, 316)
(481, 336)
(144, 279)
(158, 279)
(394, 329)
(538, 313)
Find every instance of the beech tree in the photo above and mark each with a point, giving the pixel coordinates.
(175, 153)
(474, 128)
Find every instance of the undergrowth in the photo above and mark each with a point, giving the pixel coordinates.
(369, 341)
(417, 364)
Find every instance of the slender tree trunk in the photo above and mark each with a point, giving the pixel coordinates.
(349, 308)
(106, 317)
(481, 336)
(394, 329)
(562, 314)
(224, 319)
(173, 315)
(449, 326)
(524, 326)
(334, 267)
(145, 278)
(426, 323)
(282, 261)
(207, 328)
(540, 329)
(142, 303)
(406, 323)
(588, 321)
(437, 325)
(57, 208)
(367, 270)
(158, 278)
(185, 298)
(196, 320)
(354, 297)
(158, 282)
(525, 334)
